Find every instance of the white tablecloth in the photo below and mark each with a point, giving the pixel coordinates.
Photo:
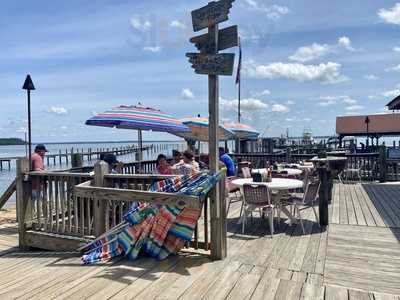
(277, 184)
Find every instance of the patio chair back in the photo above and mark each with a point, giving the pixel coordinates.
(246, 172)
(257, 194)
(229, 186)
(306, 177)
(311, 192)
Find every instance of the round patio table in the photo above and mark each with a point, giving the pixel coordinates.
(278, 185)
(292, 172)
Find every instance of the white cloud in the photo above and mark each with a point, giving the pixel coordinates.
(64, 128)
(57, 110)
(21, 129)
(306, 119)
(371, 77)
(348, 100)
(391, 15)
(326, 102)
(331, 100)
(280, 108)
(395, 68)
(345, 43)
(250, 104)
(289, 120)
(139, 24)
(396, 49)
(391, 93)
(354, 107)
(177, 24)
(155, 49)
(187, 94)
(273, 12)
(325, 73)
(312, 52)
(260, 94)
(315, 50)
(289, 102)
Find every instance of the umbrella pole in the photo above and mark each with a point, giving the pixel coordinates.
(140, 143)
(199, 150)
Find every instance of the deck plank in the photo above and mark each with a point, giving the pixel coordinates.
(371, 207)
(360, 260)
(343, 217)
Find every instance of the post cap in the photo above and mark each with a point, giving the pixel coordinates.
(28, 84)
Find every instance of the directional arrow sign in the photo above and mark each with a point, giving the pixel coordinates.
(213, 13)
(212, 64)
(227, 38)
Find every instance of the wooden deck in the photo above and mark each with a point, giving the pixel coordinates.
(358, 257)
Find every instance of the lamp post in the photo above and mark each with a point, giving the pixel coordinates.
(28, 86)
(367, 121)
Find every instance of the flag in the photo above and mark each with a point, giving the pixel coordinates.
(239, 64)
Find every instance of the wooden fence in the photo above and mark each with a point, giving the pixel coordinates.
(61, 210)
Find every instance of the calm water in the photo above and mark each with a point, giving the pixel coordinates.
(6, 177)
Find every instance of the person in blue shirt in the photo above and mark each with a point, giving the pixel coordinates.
(228, 162)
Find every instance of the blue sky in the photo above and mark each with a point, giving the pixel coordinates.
(304, 62)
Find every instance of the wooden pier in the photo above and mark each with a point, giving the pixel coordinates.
(357, 257)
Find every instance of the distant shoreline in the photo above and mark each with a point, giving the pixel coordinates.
(11, 142)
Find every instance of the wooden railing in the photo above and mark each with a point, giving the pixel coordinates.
(61, 210)
(261, 160)
(371, 166)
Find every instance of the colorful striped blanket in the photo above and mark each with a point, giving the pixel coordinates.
(158, 230)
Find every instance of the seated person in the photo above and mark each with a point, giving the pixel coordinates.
(187, 166)
(115, 167)
(176, 156)
(228, 162)
(163, 167)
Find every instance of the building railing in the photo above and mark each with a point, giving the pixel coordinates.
(370, 166)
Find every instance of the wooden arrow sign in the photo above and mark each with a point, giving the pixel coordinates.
(227, 38)
(212, 64)
(213, 13)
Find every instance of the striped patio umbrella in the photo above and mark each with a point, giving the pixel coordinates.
(199, 130)
(242, 131)
(138, 117)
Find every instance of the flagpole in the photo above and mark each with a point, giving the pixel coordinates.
(239, 100)
(238, 82)
(238, 78)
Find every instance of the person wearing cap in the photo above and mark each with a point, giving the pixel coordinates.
(114, 165)
(37, 158)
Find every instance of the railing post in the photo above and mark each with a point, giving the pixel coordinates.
(76, 160)
(218, 221)
(288, 154)
(324, 194)
(382, 164)
(99, 207)
(24, 202)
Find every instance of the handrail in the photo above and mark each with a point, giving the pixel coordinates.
(59, 174)
(8, 193)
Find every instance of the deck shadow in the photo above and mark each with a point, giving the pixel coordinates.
(386, 199)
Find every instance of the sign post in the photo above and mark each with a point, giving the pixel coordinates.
(213, 64)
